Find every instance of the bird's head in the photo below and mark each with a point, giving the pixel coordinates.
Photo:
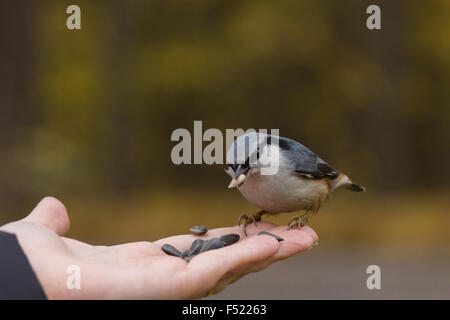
(248, 154)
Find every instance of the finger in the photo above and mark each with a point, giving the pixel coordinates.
(183, 242)
(50, 213)
(230, 265)
(295, 241)
(311, 232)
(207, 269)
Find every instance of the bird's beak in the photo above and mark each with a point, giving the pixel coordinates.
(236, 182)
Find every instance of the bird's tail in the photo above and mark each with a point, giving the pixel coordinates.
(344, 181)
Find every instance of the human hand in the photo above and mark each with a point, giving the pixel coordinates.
(141, 270)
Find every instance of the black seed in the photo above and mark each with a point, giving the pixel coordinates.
(198, 229)
(185, 254)
(212, 244)
(229, 239)
(272, 235)
(196, 247)
(171, 250)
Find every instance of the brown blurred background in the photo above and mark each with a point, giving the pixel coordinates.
(86, 116)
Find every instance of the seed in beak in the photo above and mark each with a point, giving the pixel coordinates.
(236, 182)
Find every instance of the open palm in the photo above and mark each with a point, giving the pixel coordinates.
(140, 270)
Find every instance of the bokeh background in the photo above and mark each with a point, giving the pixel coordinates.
(86, 116)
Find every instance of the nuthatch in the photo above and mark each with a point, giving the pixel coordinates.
(278, 175)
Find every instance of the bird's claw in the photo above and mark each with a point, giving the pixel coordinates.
(247, 220)
(299, 221)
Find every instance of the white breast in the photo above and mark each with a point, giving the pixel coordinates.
(284, 192)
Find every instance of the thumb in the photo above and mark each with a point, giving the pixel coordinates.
(50, 213)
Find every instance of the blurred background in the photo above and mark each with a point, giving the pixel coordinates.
(86, 116)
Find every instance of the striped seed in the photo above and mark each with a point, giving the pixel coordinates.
(198, 229)
(171, 250)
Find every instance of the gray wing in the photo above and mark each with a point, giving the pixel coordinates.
(306, 162)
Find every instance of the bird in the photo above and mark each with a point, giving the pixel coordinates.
(280, 175)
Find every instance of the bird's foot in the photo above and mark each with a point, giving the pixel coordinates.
(299, 221)
(246, 220)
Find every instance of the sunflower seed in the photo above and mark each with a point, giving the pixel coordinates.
(196, 247)
(229, 239)
(272, 235)
(212, 244)
(185, 254)
(198, 229)
(171, 250)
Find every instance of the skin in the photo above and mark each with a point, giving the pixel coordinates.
(140, 270)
